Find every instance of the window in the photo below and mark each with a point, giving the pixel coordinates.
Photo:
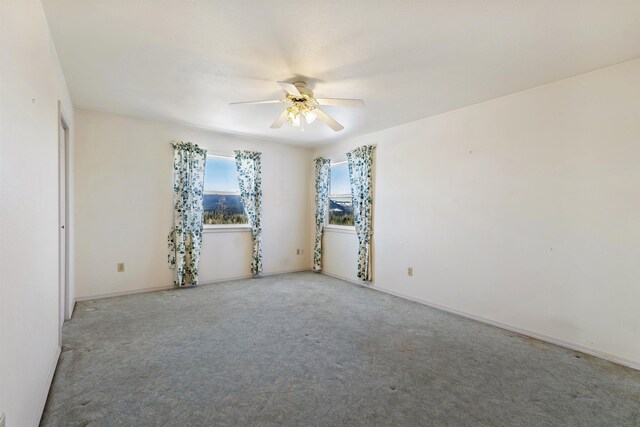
(222, 203)
(340, 203)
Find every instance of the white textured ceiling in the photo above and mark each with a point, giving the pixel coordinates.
(183, 61)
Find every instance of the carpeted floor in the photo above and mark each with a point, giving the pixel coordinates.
(309, 350)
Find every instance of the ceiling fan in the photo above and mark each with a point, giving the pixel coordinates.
(302, 103)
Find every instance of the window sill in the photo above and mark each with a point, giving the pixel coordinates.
(340, 229)
(226, 228)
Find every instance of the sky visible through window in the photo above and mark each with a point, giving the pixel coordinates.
(221, 175)
(340, 179)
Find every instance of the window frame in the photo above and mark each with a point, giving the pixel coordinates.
(223, 228)
(350, 229)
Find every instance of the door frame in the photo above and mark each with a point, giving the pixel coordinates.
(63, 220)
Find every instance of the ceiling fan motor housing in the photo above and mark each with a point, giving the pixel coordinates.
(303, 104)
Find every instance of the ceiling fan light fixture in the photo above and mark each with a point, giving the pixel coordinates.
(293, 116)
(309, 116)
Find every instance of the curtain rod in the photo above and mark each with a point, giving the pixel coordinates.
(331, 154)
(210, 153)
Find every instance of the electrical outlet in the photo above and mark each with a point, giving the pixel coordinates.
(301, 251)
(410, 271)
(120, 267)
(297, 251)
(2, 420)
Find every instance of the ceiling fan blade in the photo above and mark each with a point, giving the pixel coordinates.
(328, 120)
(271, 101)
(280, 120)
(291, 89)
(358, 103)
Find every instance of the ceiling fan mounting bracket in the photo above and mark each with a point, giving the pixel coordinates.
(302, 88)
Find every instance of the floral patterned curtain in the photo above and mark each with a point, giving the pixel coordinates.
(185, 238)
(323, 169)
(249, 168)
(360, 164)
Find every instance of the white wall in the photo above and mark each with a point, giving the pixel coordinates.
(31, 85)
(124, 181)
(523, 210)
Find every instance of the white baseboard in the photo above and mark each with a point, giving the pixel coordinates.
(47, 386)
(274, 273)
(542, 337)
(347, 279)
(164, 288)
(118, 294)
